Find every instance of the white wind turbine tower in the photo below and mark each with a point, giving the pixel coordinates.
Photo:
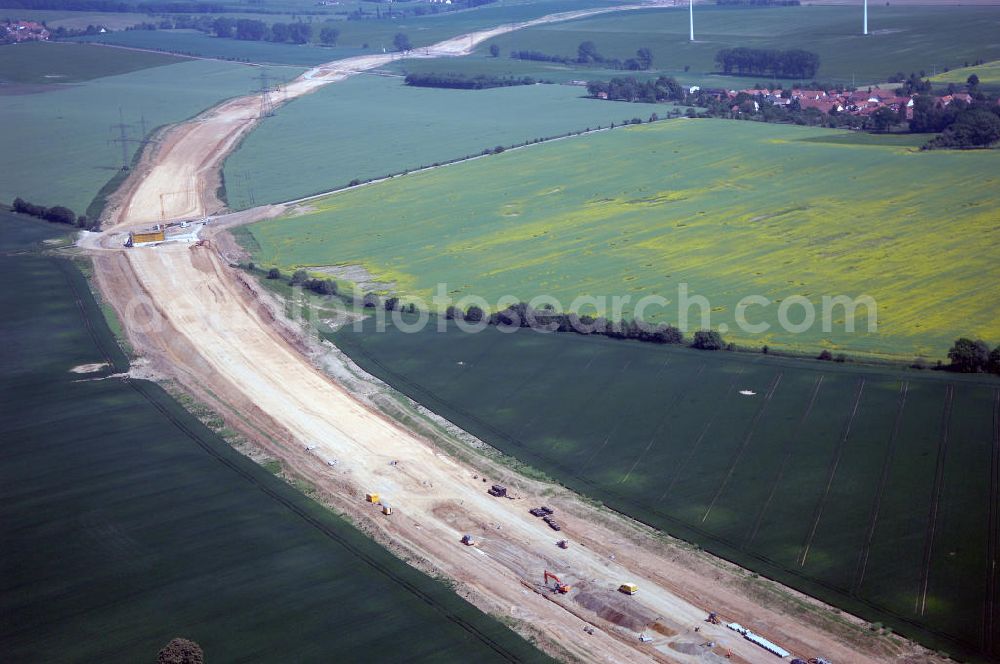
(691, 17)
(866, 18)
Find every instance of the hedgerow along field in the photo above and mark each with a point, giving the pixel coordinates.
(873, 490)
(730, 208)
(123, 516)
(289, 156)
(356, 37)
(70, 157)
(903, 38)
(50, 62)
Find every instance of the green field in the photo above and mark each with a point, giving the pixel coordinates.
(125, 522)
(193, 42)
(41, 62)
(905, 38)
(356, 37)
(69, 157)
(732, 209)
(988, 73)
(314, 144)
(858, 486)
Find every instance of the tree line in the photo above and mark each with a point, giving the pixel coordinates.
(114, 7)
(757, 3)
(463, 82)
(973, 356)
(58, 214)
(793, 63)
(960, 125)
(664, 88)
(524, 315)
(248, 29)
(587, 53)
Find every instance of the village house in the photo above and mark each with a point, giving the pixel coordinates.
(22, 31)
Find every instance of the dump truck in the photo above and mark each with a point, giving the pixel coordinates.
(467, 540)
(135, 239)
(628, 588)
(371, 497)
(498, 490)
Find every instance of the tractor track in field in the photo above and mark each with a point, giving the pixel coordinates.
(993, 526)
(682, 390)
(932, 518)
(786, 456)
(743, 446)
(832, 473)
(890, 454)
(585, 405)
(679, 472)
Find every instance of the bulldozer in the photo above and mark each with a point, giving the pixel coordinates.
(559, 586)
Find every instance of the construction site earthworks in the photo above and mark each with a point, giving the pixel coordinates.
(579, 580)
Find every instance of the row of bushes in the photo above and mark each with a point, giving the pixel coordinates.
(524, 315)
(463, 82)
(966, 355)
(58, 214)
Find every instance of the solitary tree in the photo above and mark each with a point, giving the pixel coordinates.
(587, 52)
(972, 81)
(299, 277)
(181, 651)
(474, 314)
(494, 51)
(274, 273)
(884, 119)
(968, 356)
(645, 57)
(401, 42)
(708, 340)
(329, 36)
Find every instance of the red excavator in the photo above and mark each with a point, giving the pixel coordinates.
(560, 587)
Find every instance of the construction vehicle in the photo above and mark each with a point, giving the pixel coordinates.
(562, 544)
(467, 540)
(628, 588)
(553, 524)
(559, 586)
(371, 497)
(498, 490)
(149, 237)
(713, 618)
(387, 510)
(540, 511)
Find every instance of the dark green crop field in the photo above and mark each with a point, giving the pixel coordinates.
(42, 62)
(873, 489)
(126, 523)
(902, 38)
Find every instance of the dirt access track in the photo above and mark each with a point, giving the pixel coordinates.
(195, 319)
